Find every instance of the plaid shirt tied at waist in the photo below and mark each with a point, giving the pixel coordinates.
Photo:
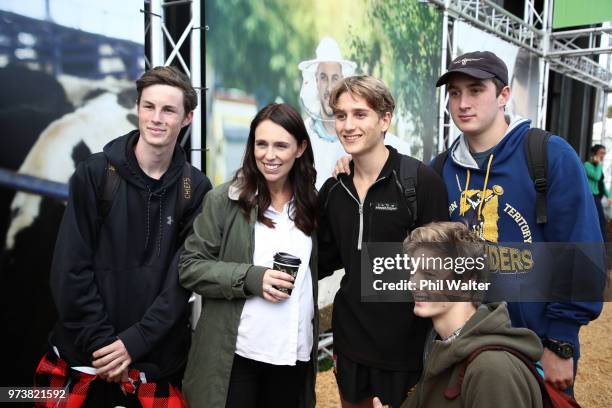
(52, 371)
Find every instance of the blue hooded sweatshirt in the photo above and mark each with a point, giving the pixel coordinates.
(508, 215)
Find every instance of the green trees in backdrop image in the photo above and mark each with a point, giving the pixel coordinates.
(402, 46)
(256, 45)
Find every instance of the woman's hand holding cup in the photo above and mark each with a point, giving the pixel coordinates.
(274, 279)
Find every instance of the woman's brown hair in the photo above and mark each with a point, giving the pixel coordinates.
(254, 188)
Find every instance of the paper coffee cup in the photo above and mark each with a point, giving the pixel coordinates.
(287, 263)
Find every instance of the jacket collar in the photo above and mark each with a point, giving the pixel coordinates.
(391, 164)
(460, 150)
(235, 188)
(233, 193)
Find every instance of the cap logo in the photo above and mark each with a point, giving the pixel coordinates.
(464, 61)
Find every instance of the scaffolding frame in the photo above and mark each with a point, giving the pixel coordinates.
(557, 50)
(157, 30)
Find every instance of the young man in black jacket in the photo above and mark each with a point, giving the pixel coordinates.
(379, 346)
(123, 317)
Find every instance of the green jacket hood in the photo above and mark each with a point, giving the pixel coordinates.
(490, 325)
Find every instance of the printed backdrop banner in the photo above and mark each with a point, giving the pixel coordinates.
(293, 51)
(523, 68)
(67, 71)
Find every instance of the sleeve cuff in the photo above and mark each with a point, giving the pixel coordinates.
(563, 331)
(254, 280)
(98, 345)
(134, 343)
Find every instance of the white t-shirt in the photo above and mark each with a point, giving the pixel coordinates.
(280, 333)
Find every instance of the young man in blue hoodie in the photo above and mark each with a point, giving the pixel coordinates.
(489, 186)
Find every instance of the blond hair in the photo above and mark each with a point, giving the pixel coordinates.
(452, 238)
(373, 90)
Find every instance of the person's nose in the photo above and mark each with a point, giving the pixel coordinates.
(328, 87)
(157, 116)
(349, 123)
(464, 102)
(270, 153)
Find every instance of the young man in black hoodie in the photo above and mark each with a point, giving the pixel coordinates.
(379, 346)
(123, 317)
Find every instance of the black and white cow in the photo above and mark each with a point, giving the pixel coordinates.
(29, 102)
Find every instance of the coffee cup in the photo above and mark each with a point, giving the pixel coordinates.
(287, 263)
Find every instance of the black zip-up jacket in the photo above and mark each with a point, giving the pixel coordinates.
(382, 335)
(117, 277)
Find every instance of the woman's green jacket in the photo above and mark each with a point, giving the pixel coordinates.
(217, 264)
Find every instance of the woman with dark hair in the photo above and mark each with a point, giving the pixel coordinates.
(595, 177)
(255, 342)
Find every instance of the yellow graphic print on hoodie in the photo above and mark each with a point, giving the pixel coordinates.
(480, 207)
(485, 224)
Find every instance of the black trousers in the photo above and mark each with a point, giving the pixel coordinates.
(102, 395)
(254, 384)
(357, 382)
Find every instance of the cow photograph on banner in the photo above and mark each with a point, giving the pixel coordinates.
(67, 75)
(295, 52)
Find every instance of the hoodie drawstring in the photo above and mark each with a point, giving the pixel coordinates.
(484, 187)
(161, 227)
(148, 223)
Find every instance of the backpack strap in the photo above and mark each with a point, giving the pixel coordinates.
(111, 184)
(537, 161)
(408, 178)
(438, 163)
(454, 391)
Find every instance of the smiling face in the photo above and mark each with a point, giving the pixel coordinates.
(275, 152)
(427, 309)
(328, 74)
(161, 115)
(359, 128)
(474, 105)
(423, 296)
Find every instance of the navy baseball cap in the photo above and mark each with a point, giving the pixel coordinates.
(478, 64)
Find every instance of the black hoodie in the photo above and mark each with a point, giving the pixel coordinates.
(115, 276)
(387, 335)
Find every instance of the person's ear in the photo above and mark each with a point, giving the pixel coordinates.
(187, 119)
(386, 121)
(504, 96)
(301, 149)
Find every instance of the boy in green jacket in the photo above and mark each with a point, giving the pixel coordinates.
(461, 325)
